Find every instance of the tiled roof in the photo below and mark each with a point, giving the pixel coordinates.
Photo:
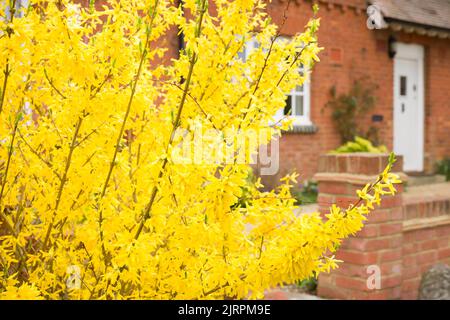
(433, 13)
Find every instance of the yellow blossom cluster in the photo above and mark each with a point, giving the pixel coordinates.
(92, 203)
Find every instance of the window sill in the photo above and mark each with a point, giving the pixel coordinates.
(303, 128)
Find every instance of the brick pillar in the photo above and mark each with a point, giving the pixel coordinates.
(378, 245)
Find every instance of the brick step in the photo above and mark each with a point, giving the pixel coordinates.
(289, 293)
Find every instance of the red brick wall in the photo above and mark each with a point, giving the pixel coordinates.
(404, 237)
(379, 243)
(426, 238)
(437, 97)
(422, 249)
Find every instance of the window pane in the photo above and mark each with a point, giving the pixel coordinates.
(302, 71)
(299, 88)
(403, 85)
(299, 106)
(288, 107)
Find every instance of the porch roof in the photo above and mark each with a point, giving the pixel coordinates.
(430, 17)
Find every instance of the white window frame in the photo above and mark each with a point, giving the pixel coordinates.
(298, 120)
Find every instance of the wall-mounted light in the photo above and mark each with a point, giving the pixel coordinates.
(392, 47)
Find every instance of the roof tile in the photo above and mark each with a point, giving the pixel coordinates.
(433, 13)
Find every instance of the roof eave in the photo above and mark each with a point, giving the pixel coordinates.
(417, 28)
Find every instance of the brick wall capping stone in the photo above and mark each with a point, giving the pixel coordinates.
(425, 223)
(356, 179)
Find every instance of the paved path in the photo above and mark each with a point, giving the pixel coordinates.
(291, 292)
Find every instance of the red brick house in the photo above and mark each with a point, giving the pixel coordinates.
(403, 46)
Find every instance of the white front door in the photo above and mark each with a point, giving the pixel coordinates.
(409, 106)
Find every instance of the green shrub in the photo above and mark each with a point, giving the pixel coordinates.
(350, 108)
(308, 285)
(443, 167)
(360, 145)
(307, 193)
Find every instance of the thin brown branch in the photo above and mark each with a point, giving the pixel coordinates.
(90, 134)
(122, 129)
(53, 85)
(7, 71)
(37, 154)
(176, 123)
(10, 152)
(266, 59)
(97, 90)
(220, 287)
(63, 181)
(209, 118)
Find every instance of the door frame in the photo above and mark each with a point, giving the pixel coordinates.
(417, 53)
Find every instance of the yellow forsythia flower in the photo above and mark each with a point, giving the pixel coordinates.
(95, 202)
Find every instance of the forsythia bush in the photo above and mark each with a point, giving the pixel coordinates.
(92, 203)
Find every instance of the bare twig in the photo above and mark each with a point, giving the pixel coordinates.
(53, 85)
(121, 131)
(63, 180)
(7, 71)
(37, 154)
(176, 123)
